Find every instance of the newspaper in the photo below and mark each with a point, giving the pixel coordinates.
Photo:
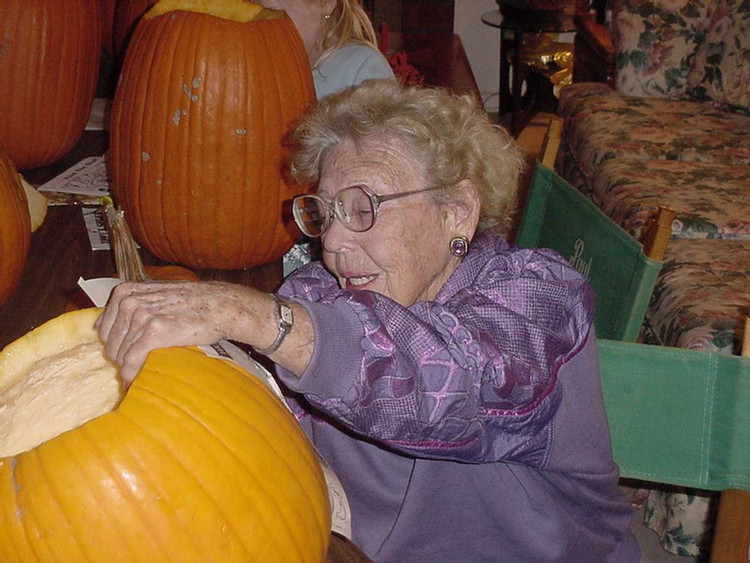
(84, 184)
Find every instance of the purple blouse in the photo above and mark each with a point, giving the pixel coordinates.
(469, 428)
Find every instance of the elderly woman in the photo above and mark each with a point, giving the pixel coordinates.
(450, 379)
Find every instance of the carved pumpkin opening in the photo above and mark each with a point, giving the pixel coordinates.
(52, 381)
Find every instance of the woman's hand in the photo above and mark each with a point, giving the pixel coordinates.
(141, 317)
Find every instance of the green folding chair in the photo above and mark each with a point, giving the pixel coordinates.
(558, 216)
(682, 417)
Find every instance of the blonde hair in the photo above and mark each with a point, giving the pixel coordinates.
(450, 135)
(349, 23)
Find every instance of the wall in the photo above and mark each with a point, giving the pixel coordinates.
(482, 45)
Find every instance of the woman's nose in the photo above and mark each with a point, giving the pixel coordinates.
(337, 237)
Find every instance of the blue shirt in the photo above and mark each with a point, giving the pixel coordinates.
(349, 66)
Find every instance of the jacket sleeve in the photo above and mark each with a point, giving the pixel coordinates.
(470, 376)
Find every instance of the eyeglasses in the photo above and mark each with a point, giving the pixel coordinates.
(356, 207)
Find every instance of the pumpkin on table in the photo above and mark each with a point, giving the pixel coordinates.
(198, 462)
(207, 93)
(15, 228)
(49, 64)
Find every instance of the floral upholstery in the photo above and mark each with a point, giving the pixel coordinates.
(721, 67)
(702, 296)
(711, 200)
(680, 519)
(654, 45)
(676, 132)
(602, 125)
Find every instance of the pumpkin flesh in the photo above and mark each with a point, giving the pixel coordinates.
(198, 462)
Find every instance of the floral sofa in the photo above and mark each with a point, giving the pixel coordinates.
(659, 114)
(672, 127)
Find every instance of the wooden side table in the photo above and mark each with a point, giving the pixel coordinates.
(514, 26)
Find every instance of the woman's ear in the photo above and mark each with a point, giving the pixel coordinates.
(462, 213)
(328, 6)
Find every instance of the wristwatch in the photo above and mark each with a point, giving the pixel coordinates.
(284, 320)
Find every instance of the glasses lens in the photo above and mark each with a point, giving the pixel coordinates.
(354, 207)
(309, 214)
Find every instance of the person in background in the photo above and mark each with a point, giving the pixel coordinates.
(450, 379)
(343, 51)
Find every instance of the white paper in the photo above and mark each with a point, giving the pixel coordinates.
(96, 227)
(98, 289)
(87, 178)
(99, 117)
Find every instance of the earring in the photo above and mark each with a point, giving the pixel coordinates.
(327, 17)
(459, 246)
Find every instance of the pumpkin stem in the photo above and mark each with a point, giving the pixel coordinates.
(127, 260)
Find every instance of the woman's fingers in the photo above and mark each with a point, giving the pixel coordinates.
(143, 316)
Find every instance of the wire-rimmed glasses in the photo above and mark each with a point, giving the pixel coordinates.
(356, 207)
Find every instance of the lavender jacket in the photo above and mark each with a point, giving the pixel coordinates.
(470, 428)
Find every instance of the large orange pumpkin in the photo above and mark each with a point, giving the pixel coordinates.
(199, 462)
(15, 228)
(199, 116)
(49, 64)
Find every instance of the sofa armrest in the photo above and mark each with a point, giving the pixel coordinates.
(594, 52)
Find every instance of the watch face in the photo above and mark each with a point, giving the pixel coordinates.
(287, 317)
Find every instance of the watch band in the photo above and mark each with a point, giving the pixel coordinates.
(284, 320)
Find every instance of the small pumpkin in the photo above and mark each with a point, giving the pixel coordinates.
(170, 272)
(15, 228)
(49, 61)
(198, 462)
(208, 90)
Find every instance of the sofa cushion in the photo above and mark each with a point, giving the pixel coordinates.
(711, 200)
(701, 296)
(601, 125)
(721, 66)
(654, 42)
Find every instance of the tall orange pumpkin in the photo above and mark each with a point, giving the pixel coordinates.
(15, 228)
(198, 121)
(199, 462)
(49, 64)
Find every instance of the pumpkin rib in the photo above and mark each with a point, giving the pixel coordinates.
(297, 437)
(195, 158)
(174, 454)
(129, 498)
(15, 540)
(54, 496)
(193, 410)
(138, 123)
(178, 470)
(290, 434)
